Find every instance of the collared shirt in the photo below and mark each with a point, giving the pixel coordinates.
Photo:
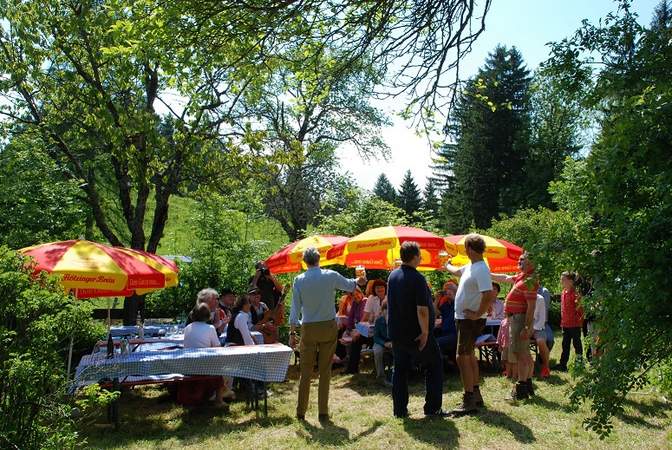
(313, 295)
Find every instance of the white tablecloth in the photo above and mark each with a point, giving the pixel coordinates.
(255, 362)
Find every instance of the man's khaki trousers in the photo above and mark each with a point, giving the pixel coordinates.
(317, 338)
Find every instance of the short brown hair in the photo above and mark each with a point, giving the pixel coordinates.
(475, 242)
(241, 301)
(409, 250)
(201, 313)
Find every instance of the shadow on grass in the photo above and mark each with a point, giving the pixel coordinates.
(156, 419)
(329, 433)
(554, 380)
(544, 403)
(441, 433)
(522, 433)
(654, 408)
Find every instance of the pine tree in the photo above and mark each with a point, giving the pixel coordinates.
(384, 189)
(483, 167)
(430, 201)
(409, 195)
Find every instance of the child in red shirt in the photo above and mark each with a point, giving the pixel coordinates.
(571, 319)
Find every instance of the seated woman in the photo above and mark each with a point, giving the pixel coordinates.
(343, 315)
(381, 344)
(238, 332)
(356, 315)
(199, 334)
(377, 295)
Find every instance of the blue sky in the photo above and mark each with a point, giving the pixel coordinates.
(527, 24)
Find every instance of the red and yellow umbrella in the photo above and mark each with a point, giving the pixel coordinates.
(500, 255)
(378, 248)
(91, 269)
(290, 258)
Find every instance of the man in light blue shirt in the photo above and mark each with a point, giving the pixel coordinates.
(313, 297)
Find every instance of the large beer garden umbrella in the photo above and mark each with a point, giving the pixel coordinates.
(290, 257)
(378, 248)
(89, 269)
(500, 255)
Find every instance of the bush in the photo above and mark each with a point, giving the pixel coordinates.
(38, 320)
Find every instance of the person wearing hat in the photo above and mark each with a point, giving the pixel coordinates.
(226, 300)
(258, 308)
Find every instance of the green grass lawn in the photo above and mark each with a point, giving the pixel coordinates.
(362, 418)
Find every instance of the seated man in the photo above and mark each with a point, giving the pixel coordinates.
(447, 337)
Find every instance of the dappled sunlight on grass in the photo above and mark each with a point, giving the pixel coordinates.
(361, 418)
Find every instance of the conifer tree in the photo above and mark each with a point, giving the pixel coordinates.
(409, 195)
(384, 189)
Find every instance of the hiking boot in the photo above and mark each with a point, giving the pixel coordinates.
(468, 405)
(478, 399)
(519, 392)
(530, 387)
(560, 368)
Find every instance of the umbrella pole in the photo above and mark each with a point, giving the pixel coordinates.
(72, 342)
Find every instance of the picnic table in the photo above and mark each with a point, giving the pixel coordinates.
(264, 363)
(160, 343)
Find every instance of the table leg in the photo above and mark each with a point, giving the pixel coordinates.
(113, 407)
(265, 400)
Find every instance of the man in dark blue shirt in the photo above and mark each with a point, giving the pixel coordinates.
(410, 322)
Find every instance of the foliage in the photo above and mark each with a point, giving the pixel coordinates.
(384, 190)
(548, 235)
(416, 46)
(362, 213)
(557, 123)
(38, 321)
(490, 144)
(430, 199)
(621, 194)
(37, 204)
(85, 80)
(409, 198)
(221, 258)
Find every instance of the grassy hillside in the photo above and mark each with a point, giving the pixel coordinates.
(180, 232)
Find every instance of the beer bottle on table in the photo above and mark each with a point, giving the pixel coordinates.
(110, 345)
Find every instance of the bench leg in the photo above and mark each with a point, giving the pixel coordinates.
(265, 400)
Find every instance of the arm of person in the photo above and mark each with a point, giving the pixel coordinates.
(294, 314)
(502, 278)
(241, 325)
(342, 283)
(212, 335)
(275, 281)
(454, 270)
(529, 318)
(423, 321)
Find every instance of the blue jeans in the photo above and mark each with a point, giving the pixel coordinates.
(405, 354)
